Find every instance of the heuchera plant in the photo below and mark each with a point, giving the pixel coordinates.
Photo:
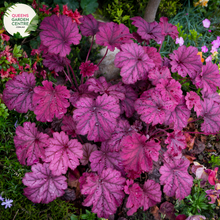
(114, 129)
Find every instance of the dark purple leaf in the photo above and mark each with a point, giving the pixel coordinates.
(30, 144)
(69, 126)
(97, 118)
(55, 62)
(104, 192)
(135, 63)
(113, 35)
(50, 101)
(186, 61)
(147, 30)
(127, 105)
(89, 26)
(18, 92)
(42, 185)
(175, 176)
(63, 153)
(59, 32)
(167, 209)
(87, 150)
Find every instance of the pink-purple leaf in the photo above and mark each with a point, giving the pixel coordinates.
(102, 87)
(158, 73)
(186, 61)
(193, 99)
(175, 176)
(82, 93)
(122, 130)
(42, 185)
(50, 101)
(151, 194)
(104, 158)
(69, 126)
(137, 154)
(153, 55)
(87, 150)
(148, 30)
(63, 153)
(104, 192)
(209, 78)
(135, 63)
(211, 115)
(89, 26)
(153, 108)
(179, 117)
(127, 105)
(18, 92)
(30, 144)
(135, 198)
(176, 143)
(55, 62)
(59, 32)
(97, 118)
(168, 29)
(113, 35)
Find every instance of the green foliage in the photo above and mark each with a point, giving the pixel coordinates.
(89, 6)
(73, 4)
(168, 8)
(196, 203)
(214, 161)
(3, 110)
(88, 216)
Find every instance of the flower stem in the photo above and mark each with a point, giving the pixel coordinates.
(68, 77)
(160, 46)
(103, 57)
(73, 74)
(90, 49)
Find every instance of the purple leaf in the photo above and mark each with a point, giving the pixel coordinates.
(30, 144)
(158, 73)
(63, 153)
(168, 210)
(186, 61)
(88, 68)
(209, 78)
(42, 185)
(176, 142)
(97, 118)
(211, 114)
(168, 29)
(59, 33)
(147, 30)
(135, 63)
(87, 150)
(55, 62)
(18, 92)
(122, 130)
(104, 158)
(151, 194)
(89, 26)
(137, 154)
(135, 197)
(50, 101)
(192, 99)
(102, 87)
(153, 108)
(69, 126)
(104, 192)
(127, 105)
(153, 55)
(179, 117)
(82, 93)
(175, 176)
(113, 35)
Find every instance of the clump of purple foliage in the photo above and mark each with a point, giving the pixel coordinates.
(114, 129)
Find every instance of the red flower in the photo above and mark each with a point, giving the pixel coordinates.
(56, 10)
(88, 69)
(74, 15)
(44, 9)
(5, 37)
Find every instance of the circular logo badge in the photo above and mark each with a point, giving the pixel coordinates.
(20, 18)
